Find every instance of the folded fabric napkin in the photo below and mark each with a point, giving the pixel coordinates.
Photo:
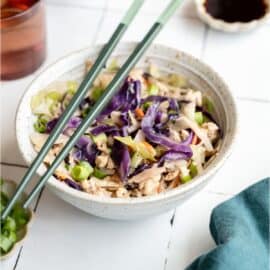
(240, 228)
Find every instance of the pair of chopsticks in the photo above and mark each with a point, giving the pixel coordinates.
(99, 105)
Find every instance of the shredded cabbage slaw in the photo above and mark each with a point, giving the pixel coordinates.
(155, 134)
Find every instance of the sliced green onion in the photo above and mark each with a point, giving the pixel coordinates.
(81, 171)
(206, 119)
(9, 224)
(67, 166)
(146, 105)
(12, 236)
(96, 93)
(5, 243)
(100, 138)
(72, 87)
(152, 90)
(86, 111)
(20, 215)
(41, 124)
(208, 105)
(193, 169)
(55, 96)
(186, 178)
(198, 118)
(4, 198)
(98, 173)
(113, 66)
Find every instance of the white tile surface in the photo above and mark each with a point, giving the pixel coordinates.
(76, 28)
(175, 34)
(9, 263)
(90, 4)
(100, 244)
(243, 60)
(186, 9)
(76, 240)
(250, 159)
(190, 235)
(10, 94)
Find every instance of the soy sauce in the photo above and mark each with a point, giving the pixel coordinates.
(236, 10)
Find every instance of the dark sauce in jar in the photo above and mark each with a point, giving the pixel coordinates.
(236, 10)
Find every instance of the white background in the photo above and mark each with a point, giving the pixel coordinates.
(63, 237)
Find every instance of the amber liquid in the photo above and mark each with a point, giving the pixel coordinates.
(23, 45)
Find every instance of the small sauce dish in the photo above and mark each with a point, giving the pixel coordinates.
(233, 15)
(8, 188)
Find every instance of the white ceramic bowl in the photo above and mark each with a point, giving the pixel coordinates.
(201, 77)
(221, 25)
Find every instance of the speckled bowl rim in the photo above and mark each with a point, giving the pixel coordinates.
(170, 194)
(227, 26)
(28, 224)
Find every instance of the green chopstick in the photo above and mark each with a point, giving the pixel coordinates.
(76, 100)
(107, 94)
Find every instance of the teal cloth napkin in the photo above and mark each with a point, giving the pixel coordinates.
(240, 228)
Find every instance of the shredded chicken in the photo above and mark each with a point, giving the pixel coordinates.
(183, 123)
(212, 130)
(102, 160)
(147, 174)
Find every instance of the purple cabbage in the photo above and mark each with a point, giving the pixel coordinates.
(158, 118)
(51, 124)
(154, 99)
(83, 141)
(90, 153)
(124, 131)
(128, 98)
(140, 168)
(173, 155)
(86, 150)
(72, 124)
(173, 111)
(72, 184)
(173, 105)
(188, 140)
(125, 118)
(103, 129)
(121, 157)
(147, 126)
(124, 164)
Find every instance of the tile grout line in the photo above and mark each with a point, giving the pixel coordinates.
(253, 99)
(24, 166)
(118, 10)
(18, 258)
(204, 42)
(13, 165)
(169, 240)
(219, 193)
(34, 210)
(101, 21)
(68, 5)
